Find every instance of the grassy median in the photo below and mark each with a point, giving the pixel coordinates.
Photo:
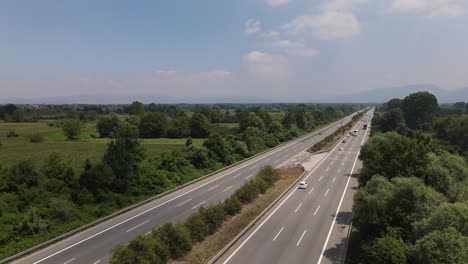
(204, 251)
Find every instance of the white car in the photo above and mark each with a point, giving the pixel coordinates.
(340, 149)
(302, 185)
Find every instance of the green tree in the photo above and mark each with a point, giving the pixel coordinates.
(18, 115)
(107, 125)
(22, 174)
(136, 108)
(419, 110)
(446, 215)
(58, 173)
(217, 147)
(393, 155)
(124, 154)
(153, 125)
(199, 126)
(385, 250)
(179, 127)
(391, 121)
(441, 246)
(394, 103)
(72, 128)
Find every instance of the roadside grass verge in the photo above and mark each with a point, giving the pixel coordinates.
(204, 251)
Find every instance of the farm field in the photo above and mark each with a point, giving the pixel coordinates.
(90, 147)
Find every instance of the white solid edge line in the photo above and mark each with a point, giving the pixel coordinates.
(300, 239)
(276, 209)
(189, 191)
(278, 234)
(137, 226)
(339, 206)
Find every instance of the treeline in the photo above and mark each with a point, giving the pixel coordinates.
(37, 204)
(412, 206)
(172, 241)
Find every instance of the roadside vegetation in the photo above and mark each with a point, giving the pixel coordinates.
(173, 242)
(412, 205)
(331, 139)
(90, 162)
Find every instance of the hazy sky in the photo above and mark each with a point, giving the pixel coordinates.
(279, 50)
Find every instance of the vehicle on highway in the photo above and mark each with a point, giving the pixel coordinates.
(344, 141)
(302, 185)
(340, 149)
(320, 133)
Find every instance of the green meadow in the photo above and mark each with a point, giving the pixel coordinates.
(88, 146)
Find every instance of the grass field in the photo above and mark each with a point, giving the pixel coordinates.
(14, 149)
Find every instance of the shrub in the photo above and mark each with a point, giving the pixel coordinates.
(36, 137)
(261, 184)
(197, 226)
(12, 134)
(175, 237)
(213, 217)
(247, 193)
(232, 205)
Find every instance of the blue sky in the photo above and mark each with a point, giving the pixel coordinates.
(277, 50)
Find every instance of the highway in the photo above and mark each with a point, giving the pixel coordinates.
(298, 228)
(94, 245)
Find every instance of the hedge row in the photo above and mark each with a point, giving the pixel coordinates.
(172, 241)
(323, 143)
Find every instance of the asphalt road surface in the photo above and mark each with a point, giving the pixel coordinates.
(95, 244)
(298, 228)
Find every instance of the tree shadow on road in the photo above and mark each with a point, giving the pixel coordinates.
(336, 254)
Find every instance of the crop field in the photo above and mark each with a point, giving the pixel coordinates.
(89, 146)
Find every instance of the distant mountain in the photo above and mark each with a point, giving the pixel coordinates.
(383, 95)
(369, 96)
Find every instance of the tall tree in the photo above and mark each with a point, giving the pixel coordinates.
(199, 126)
(72, 128)
(124, 154)
(153, 125)
(136, 108)
(419, 110)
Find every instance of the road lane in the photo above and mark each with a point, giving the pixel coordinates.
(319, 206)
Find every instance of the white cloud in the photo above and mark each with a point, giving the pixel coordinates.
(334, 20)
(342, 5)
(270, 34)
(275, 3)
(266, 65)
(252, 26)
(325, 25)
(286, 44)
(429, 8)
(304, 52)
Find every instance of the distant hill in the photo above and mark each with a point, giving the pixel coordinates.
(385, 94)
(369, 96)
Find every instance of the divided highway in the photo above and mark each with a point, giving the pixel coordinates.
(94, 245)
(298, 228)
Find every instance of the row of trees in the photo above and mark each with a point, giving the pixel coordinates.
(412, 206)
(172, 241)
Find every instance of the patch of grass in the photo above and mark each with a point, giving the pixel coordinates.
(204, 251)
(14, 149)
(229, 125)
